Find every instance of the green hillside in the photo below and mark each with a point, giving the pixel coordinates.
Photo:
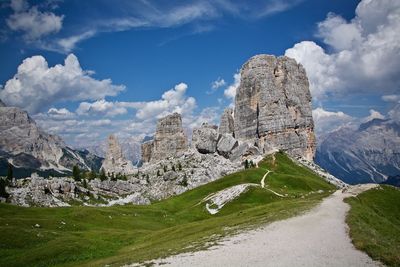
(88, 236)
(374, 221)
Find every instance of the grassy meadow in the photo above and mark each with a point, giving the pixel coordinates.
(98, 236)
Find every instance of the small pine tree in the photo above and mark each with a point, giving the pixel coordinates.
(76, 173)
(184, 181)
(3, 192)
(84, 183)
(252, 164)
(103, 176)
(92, 175)
(113, 177)
(10, 174)
(246, 164)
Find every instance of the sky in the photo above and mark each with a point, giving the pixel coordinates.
(85, 69)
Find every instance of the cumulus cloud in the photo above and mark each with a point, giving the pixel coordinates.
(365, 55)
(327, 121)
(230, 92)
(373, 114)
(31, 22)
(101, 107)
(36, 86)
(173, 100)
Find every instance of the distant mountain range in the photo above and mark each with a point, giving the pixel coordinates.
(30, 149)
(364, 154)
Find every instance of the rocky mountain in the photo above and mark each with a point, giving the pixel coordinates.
(29, 148)
(273, 106)
(115, 161)
(363, 154)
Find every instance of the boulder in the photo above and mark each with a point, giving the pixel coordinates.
(226, 144)
(205, 138)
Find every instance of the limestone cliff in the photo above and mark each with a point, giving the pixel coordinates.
(227, 123)
(169, 140)
(115, 162)
(273, 106)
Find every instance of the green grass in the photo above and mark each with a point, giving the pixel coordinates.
(374, 221)
(125, 234)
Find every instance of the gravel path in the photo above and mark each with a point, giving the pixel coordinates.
(317, 238)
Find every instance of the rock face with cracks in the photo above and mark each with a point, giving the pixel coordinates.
(205, 138)
(273, 106)
(169, 141)
(227, 125)
(115, 162)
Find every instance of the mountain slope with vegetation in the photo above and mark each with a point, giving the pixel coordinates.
(88, 236)
(374, 221)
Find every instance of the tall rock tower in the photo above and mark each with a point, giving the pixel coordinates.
(169, 141)
(115, 162)
(273, 106)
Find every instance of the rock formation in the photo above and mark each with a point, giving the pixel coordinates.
(226, 144)
(169, 140)
(273, 106)
(115, 162)
(28, 147)
(147, 150)
(205, 138)
(227, 123)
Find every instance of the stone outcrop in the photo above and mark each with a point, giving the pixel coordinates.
(169, 140)
(115, 161)
(273, 106)
(227, 123)
(25, 145)
(226, 144)
(147, 150)
(205, 138)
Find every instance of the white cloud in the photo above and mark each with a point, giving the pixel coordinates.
(366, 52)
(218, 83)
(36, 87)
(391, 98)
(173, 100)
(230, 92)
(327, 121)
(101, 107)
(33, 23)
(68, 44)
(373, 114)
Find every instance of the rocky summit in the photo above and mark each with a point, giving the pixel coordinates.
(26, 146)
(169, 140)
(115, 161)
(273, 106)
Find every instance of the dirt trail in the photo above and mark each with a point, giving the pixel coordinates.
(317, 238)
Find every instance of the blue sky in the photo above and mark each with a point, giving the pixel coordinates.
(147, 48)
